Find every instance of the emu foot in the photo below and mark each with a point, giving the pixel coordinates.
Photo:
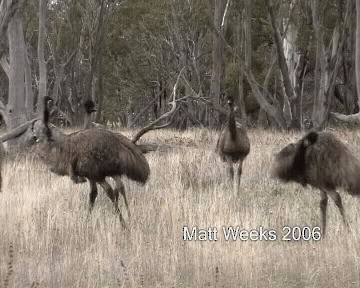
(78, 179)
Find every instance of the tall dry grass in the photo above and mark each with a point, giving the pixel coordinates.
(48, 240)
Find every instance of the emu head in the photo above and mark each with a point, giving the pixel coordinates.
(40, 128)
(230, 101)
(89, 106)
(290, 162)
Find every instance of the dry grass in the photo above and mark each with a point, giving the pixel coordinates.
(44, 218)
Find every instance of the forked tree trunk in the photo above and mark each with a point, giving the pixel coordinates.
(290, 95)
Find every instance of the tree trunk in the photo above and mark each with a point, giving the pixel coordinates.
(29, 94)
(320, 69)
(8, 9)
(357, 51)
(217, 74)
(337, 64)
(289, 96)
(16, 104)
(100, 93)
(41, 57)
(264, 104)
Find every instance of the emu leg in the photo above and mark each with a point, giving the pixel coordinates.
(323, 206)
(120, 187)
(93, 194)
(239, 172)
(337, 199)
(110, 193)
(230, 168)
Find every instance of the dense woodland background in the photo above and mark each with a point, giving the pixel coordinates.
(288, 63)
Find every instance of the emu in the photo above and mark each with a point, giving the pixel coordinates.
(233, 144)
(322, 161)
(91, 154)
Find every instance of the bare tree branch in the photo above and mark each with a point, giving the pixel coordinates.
(152, 125)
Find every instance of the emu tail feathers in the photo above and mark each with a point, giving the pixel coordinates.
(135, 164)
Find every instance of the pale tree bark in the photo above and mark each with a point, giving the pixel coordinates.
(290, 95)
(29, 94)
(41, 56)
(320, 65)
(8, 9)
(16, 104)
(217, 52)
(295, 60)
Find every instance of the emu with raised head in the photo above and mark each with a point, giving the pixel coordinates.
(233, 143)
(91, 154)
(321, 160)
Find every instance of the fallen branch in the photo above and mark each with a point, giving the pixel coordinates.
(352, 118)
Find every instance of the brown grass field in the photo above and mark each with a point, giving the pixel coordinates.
(47, 238)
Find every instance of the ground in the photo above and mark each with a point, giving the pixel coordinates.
(47, 238)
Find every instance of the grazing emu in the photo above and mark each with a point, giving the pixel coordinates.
(91, 154)
(233, 144)
(322, 161)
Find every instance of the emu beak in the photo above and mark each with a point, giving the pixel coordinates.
(37, 140)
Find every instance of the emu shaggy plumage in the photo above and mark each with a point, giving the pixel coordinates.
(233, 143)
(95, 155)
(321, 160)
(91, 154)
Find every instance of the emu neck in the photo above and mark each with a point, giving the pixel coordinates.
(87, 120)
(232, 124)
(58, 138)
